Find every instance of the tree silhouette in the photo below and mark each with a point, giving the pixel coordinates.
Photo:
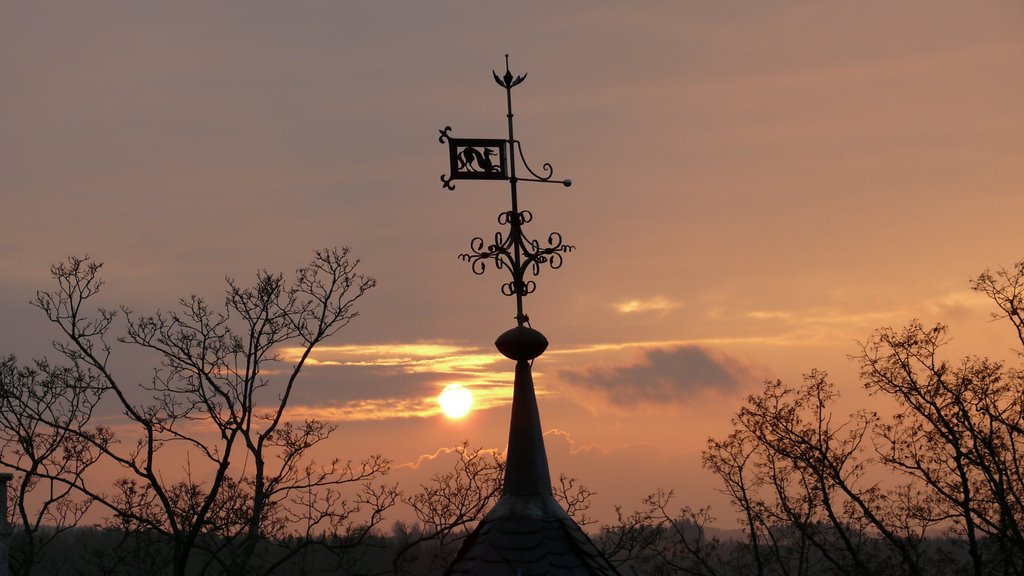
(447, 507)
(451, 503)
(29, 397)
(219, 397)
(871, 494)
(665, 540)
(961, 429)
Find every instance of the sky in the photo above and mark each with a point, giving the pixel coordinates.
(756, 187)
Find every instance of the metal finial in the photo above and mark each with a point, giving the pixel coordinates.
(507, 81)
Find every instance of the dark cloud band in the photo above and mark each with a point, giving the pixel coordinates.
(663, 376)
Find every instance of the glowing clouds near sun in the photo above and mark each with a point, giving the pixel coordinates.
(410, 375)
(426, 379)
(430, 379)
(456, 401)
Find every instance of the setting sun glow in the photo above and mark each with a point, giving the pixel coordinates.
(455, 400)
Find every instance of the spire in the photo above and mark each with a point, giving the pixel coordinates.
(527, 532)
(526, 465)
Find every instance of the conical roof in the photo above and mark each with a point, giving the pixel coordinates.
(527, 533)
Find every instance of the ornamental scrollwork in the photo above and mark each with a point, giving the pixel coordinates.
(516, 252)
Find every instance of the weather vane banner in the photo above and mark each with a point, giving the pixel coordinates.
(475, 158)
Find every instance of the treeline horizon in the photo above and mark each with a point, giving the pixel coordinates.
(107, 551)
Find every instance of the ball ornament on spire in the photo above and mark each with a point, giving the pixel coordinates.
(521, 343)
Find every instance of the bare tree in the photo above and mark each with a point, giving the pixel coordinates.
(452, 503)
(627, 541)
(575, 498)
(959, 436)
(797, 474)
(446, 509)
(660, 539)
(219, 395)
(29, 396)
(808, 483)
(734, 460)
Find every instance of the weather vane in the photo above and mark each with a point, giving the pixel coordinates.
(496, 159)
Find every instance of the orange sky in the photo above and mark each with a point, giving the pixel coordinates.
(756, 187)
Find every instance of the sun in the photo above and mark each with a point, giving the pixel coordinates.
(456, 401)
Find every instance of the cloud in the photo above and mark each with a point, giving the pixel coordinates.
(958, 305)
(823, 324)
(573, 447)
(396, 381)
(647, 345)
(404, 404)
(443, 453)
(422, 357)
(655, 304)
(661, 376)
(367, 410)
(372, 382)
(769, 315)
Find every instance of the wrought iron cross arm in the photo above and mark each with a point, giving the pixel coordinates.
(500, 252)
(535, 256)
(521, 255)
(548, 170)
(566, 182)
